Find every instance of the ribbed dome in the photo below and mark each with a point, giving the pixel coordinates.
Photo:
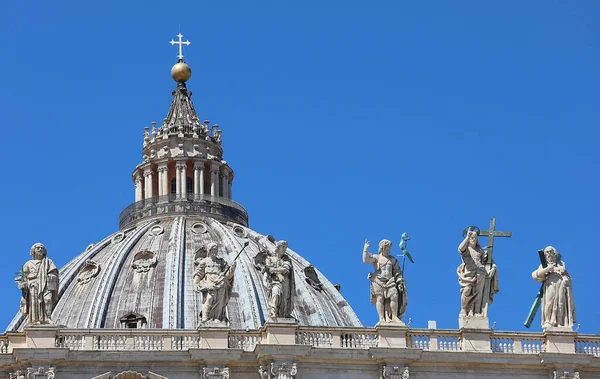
(147, 271)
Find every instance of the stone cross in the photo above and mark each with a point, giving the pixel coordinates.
(181, 42)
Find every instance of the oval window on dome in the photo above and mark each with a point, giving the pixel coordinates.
(157, 230)
(239, 231)
(199, 228)
(118, 237)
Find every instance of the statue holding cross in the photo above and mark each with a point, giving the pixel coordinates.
(478, 273)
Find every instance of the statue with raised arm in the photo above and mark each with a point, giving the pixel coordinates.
(558, 306)
(213, 277)
(388, 287)
(477, 277)
(38, 283)
(279, 280)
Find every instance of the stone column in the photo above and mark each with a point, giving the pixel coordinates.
(181, 182)
(225, 184)
(148, 183)
(198, 178)
(229, 189)
(138, 186)
(163, 185)
(214, 180)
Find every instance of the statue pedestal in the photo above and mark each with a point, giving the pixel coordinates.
(392, 334)
(214, 335)
(475, 333)
(560, 340)
(41, 336)
(281, 331)
(473, 322)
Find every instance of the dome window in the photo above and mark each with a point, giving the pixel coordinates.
(133, 321)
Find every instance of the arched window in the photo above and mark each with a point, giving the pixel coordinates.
(173, 186)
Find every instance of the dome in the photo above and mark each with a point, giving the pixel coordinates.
(145, 273)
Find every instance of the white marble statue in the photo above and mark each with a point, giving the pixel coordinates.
(279, 280)
(39, 286)
(558, 306)
(477, 278)
(388, 287)
(213, 277)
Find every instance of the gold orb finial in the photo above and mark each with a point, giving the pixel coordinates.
(181, 72)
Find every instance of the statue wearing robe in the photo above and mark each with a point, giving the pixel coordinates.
(39, 286)
(558, 306)
(279, 280)
(478, 279)
(213, 277)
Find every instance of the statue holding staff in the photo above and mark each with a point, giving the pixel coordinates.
(213, 277)
(388, 287)
(38, 282)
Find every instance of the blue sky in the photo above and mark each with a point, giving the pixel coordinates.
(342, 120)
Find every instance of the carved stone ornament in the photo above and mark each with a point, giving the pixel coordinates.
(144, 261)
(199, 228)
(129, 375)
(278, 371)
(89, 270)
(215, 373)
(35, 373)
(157, 230)
(118, 238)
(566, 375)
(395, 372)
(312, 278)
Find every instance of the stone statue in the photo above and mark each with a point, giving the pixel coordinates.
(39, 285)
(388, 287)
(558, 306)
(279, 280)
(477, 278)
(213, 277)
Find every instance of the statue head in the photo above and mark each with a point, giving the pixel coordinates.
(213, 248)
(551, 254)
(281, 248)
(38, 251)
(474, 239)
(385, 246)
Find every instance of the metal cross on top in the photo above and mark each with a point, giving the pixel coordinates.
(181, 42)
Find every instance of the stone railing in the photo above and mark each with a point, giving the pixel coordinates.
(434, 340)
(4, 345)
(587, 344)
(246, 341)
(350, 338)
(127, 339)
(217, 207)
(515, 342)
